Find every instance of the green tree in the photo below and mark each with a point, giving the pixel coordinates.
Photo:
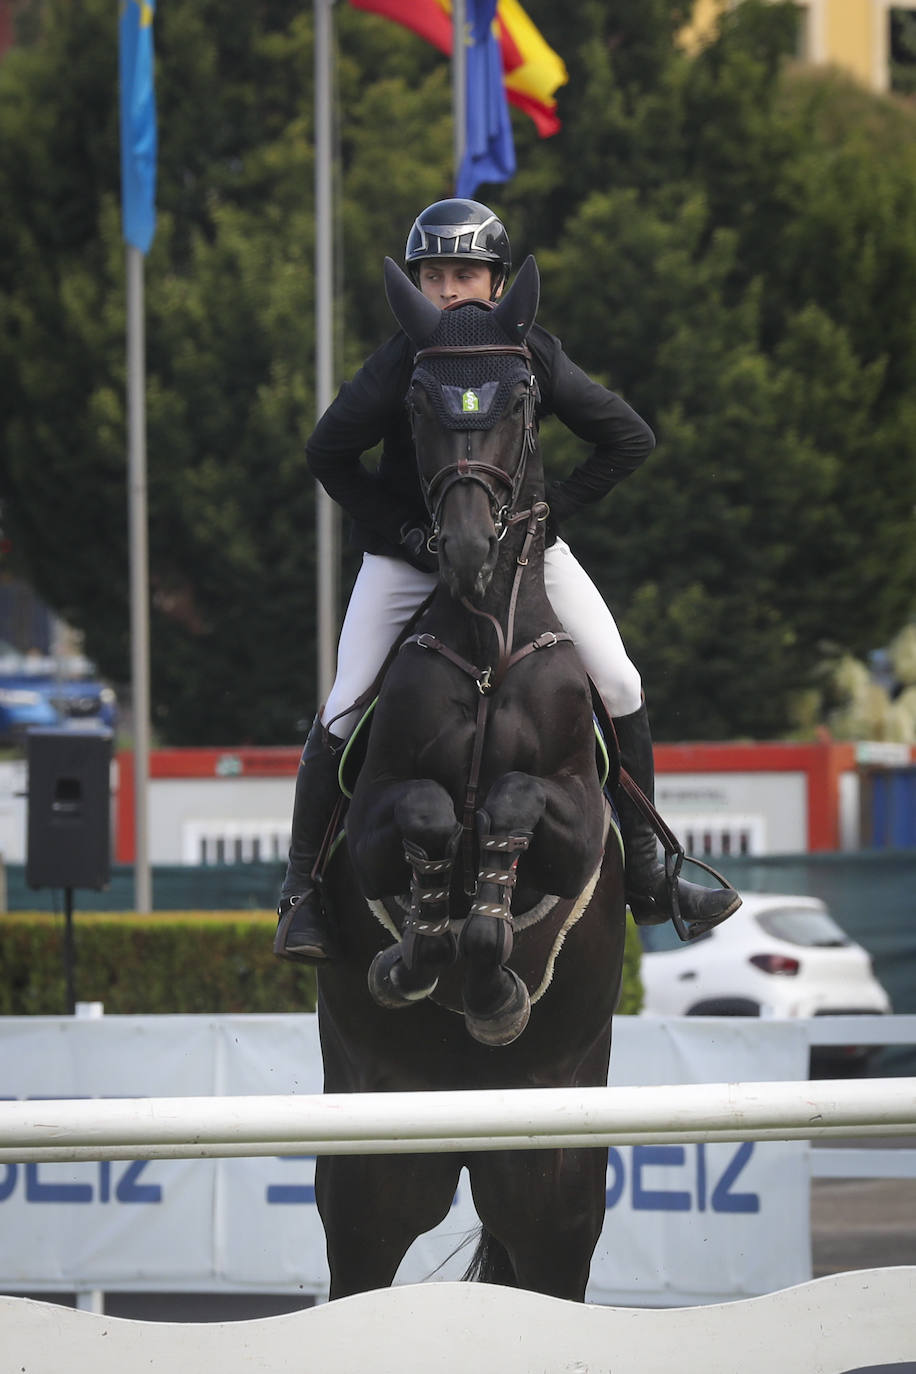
(227, 393)
(756, 307)
(727, 240)
(903, 50)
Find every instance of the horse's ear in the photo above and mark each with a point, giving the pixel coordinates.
(517, 310)
(416, 315)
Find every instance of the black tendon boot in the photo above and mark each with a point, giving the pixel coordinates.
(648, 893)
(302, 931)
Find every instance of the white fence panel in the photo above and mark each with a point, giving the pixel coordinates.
(833, 1325)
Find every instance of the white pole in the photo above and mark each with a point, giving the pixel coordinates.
(424, 1123)
(90, 1299)
(459, 82)
(139, 572)
(327, 513)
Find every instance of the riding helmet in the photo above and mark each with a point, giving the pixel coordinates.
(459, 229)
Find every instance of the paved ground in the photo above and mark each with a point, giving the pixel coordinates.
(863, 1223)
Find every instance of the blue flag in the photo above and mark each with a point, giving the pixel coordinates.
(138, 122)
(489, 154)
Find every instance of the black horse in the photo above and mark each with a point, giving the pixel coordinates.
(475, 888)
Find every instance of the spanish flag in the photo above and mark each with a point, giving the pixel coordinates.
(532, 71)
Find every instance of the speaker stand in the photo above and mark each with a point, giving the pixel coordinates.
(69, 952)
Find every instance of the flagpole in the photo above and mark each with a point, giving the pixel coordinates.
(459, 82)
(327, 513)
(139, 572)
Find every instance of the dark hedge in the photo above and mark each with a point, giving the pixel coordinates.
(139, 965)
(198, 961)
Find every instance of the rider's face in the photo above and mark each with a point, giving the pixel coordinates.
(447, 280)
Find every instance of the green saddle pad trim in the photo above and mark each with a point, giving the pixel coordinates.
(354, 752)
(602, 758)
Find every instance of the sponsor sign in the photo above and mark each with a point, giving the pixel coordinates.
(685, 1224)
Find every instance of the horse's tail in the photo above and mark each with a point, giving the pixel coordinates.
(490, 1263)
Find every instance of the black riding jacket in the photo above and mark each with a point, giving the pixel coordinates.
(371, 409)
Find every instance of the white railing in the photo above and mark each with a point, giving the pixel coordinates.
(429, 1122)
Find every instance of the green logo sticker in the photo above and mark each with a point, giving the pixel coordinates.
(470, 400)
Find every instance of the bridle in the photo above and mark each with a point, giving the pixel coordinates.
(505, 515)
(467, 469)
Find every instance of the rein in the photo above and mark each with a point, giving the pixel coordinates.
(505, 516)
(489, 679)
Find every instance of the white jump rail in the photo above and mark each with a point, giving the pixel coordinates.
(433, 1122)
(833, 1325)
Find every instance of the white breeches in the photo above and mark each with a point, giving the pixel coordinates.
(387, 591)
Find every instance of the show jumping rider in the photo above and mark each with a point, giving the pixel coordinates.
(459, 250)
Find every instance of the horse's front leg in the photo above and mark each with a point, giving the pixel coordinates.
(496, 1001)
(415, 822)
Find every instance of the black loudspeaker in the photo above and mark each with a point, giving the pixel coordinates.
(69, 808)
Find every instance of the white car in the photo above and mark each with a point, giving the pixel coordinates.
(777, 956)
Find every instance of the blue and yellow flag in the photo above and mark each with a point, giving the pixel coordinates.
(138, 122)
(489, 153)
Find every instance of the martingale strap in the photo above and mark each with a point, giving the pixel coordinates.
(484, 677)
(488, 679)
(505, 516)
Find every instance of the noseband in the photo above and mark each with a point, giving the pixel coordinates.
(467, 469)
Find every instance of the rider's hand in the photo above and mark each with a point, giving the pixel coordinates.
(416, 550)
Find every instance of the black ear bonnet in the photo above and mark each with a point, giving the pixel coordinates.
(470, 390)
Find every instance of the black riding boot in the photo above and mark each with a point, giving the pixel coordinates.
(648, 894)
(302, 931)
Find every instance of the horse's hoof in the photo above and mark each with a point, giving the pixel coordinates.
(390, 982)
(508, 1021)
